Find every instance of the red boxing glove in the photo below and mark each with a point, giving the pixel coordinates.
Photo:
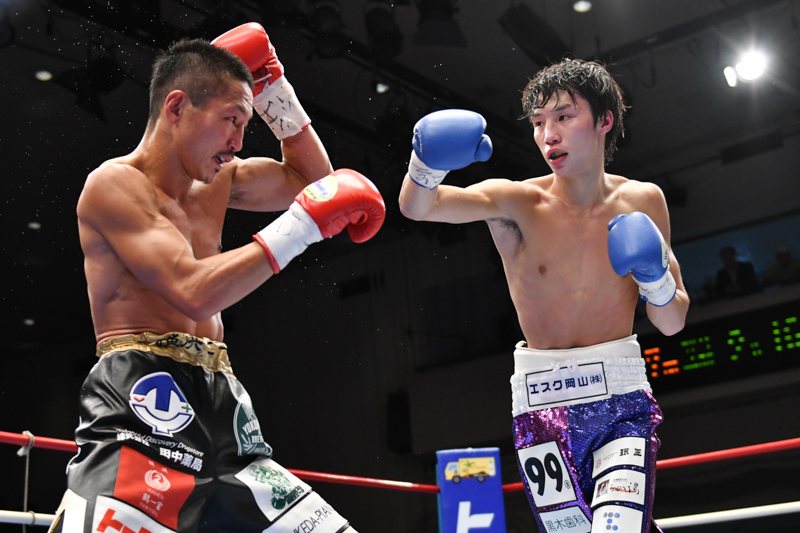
(273, 96)
(251, 43)
(342, 199)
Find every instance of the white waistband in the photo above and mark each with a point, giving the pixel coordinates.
(553, 378)
(526, 358)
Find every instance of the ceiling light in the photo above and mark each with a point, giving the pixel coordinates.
(533, 34)
(384, 35)
(437, 25)
(35, 225)
(381, 88)
(582, 6)
(6, 33)
(29, 322)
(730, 76)
(327, 16)
(329, 41)
(751, 66)
(44, 75)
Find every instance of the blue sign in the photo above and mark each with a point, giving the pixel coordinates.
(471, 495)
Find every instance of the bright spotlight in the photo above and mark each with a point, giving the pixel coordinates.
(582, 6)
(751, 66)
(730, 76)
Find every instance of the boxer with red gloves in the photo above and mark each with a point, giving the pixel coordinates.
(168, 436)
(578, 245)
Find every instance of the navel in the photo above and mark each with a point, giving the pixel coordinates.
(542, 270)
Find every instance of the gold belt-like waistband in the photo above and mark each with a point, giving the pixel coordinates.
(181, 347)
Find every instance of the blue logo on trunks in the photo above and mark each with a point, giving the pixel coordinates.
(159, 402)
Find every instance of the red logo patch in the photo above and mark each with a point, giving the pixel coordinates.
(152, 487)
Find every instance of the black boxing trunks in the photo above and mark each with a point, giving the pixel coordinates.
(168, 441)
(584, 433)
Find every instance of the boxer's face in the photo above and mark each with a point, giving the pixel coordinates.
(566, 134)
(216, 130)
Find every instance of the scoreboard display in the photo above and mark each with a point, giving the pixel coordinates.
(724, 349)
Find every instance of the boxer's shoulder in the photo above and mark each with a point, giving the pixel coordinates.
(124, 172)
(119, 188)
(531, 189)
(634, 194)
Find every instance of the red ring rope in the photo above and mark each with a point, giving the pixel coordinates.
(70, 446)
(707, 457)
(729, 454)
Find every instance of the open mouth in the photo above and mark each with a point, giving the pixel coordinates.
(555, 156)
(221, 159)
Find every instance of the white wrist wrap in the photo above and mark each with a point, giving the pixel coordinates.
(279, 107)
(424, 175)
(659, 292)
(288, 236)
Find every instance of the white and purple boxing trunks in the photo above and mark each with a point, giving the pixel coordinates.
(584, 433)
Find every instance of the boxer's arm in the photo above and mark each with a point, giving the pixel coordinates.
(444, 141)
(262, 184)
(669, 319)
(455, 205)
(267, 185)
(117, 203)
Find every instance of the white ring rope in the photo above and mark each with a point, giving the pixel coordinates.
(727, 516)
(30, 518)
(27, 517)
(40, 519)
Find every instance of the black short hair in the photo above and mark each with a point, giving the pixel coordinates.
(198, 68)
(589, 79)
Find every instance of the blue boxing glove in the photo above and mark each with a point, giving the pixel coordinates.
(636, 245)
(447, 140)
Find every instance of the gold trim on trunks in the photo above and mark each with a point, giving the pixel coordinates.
(181, 347)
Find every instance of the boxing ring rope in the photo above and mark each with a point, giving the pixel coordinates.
(700, 458)
(28, 441)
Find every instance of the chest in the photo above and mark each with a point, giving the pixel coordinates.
(558, 238)
(199, 218)
(555, 237)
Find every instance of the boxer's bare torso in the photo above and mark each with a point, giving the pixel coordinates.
(552, 233)
(556, 260)
(121, 303)
(150, 222)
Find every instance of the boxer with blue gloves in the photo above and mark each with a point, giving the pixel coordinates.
(579, 247)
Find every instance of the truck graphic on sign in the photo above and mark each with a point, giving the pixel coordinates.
(477, 467)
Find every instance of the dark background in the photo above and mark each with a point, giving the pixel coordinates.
(365, 359)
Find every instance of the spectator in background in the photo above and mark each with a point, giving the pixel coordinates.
(785, 271)
(708, 292)
(736, 278)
